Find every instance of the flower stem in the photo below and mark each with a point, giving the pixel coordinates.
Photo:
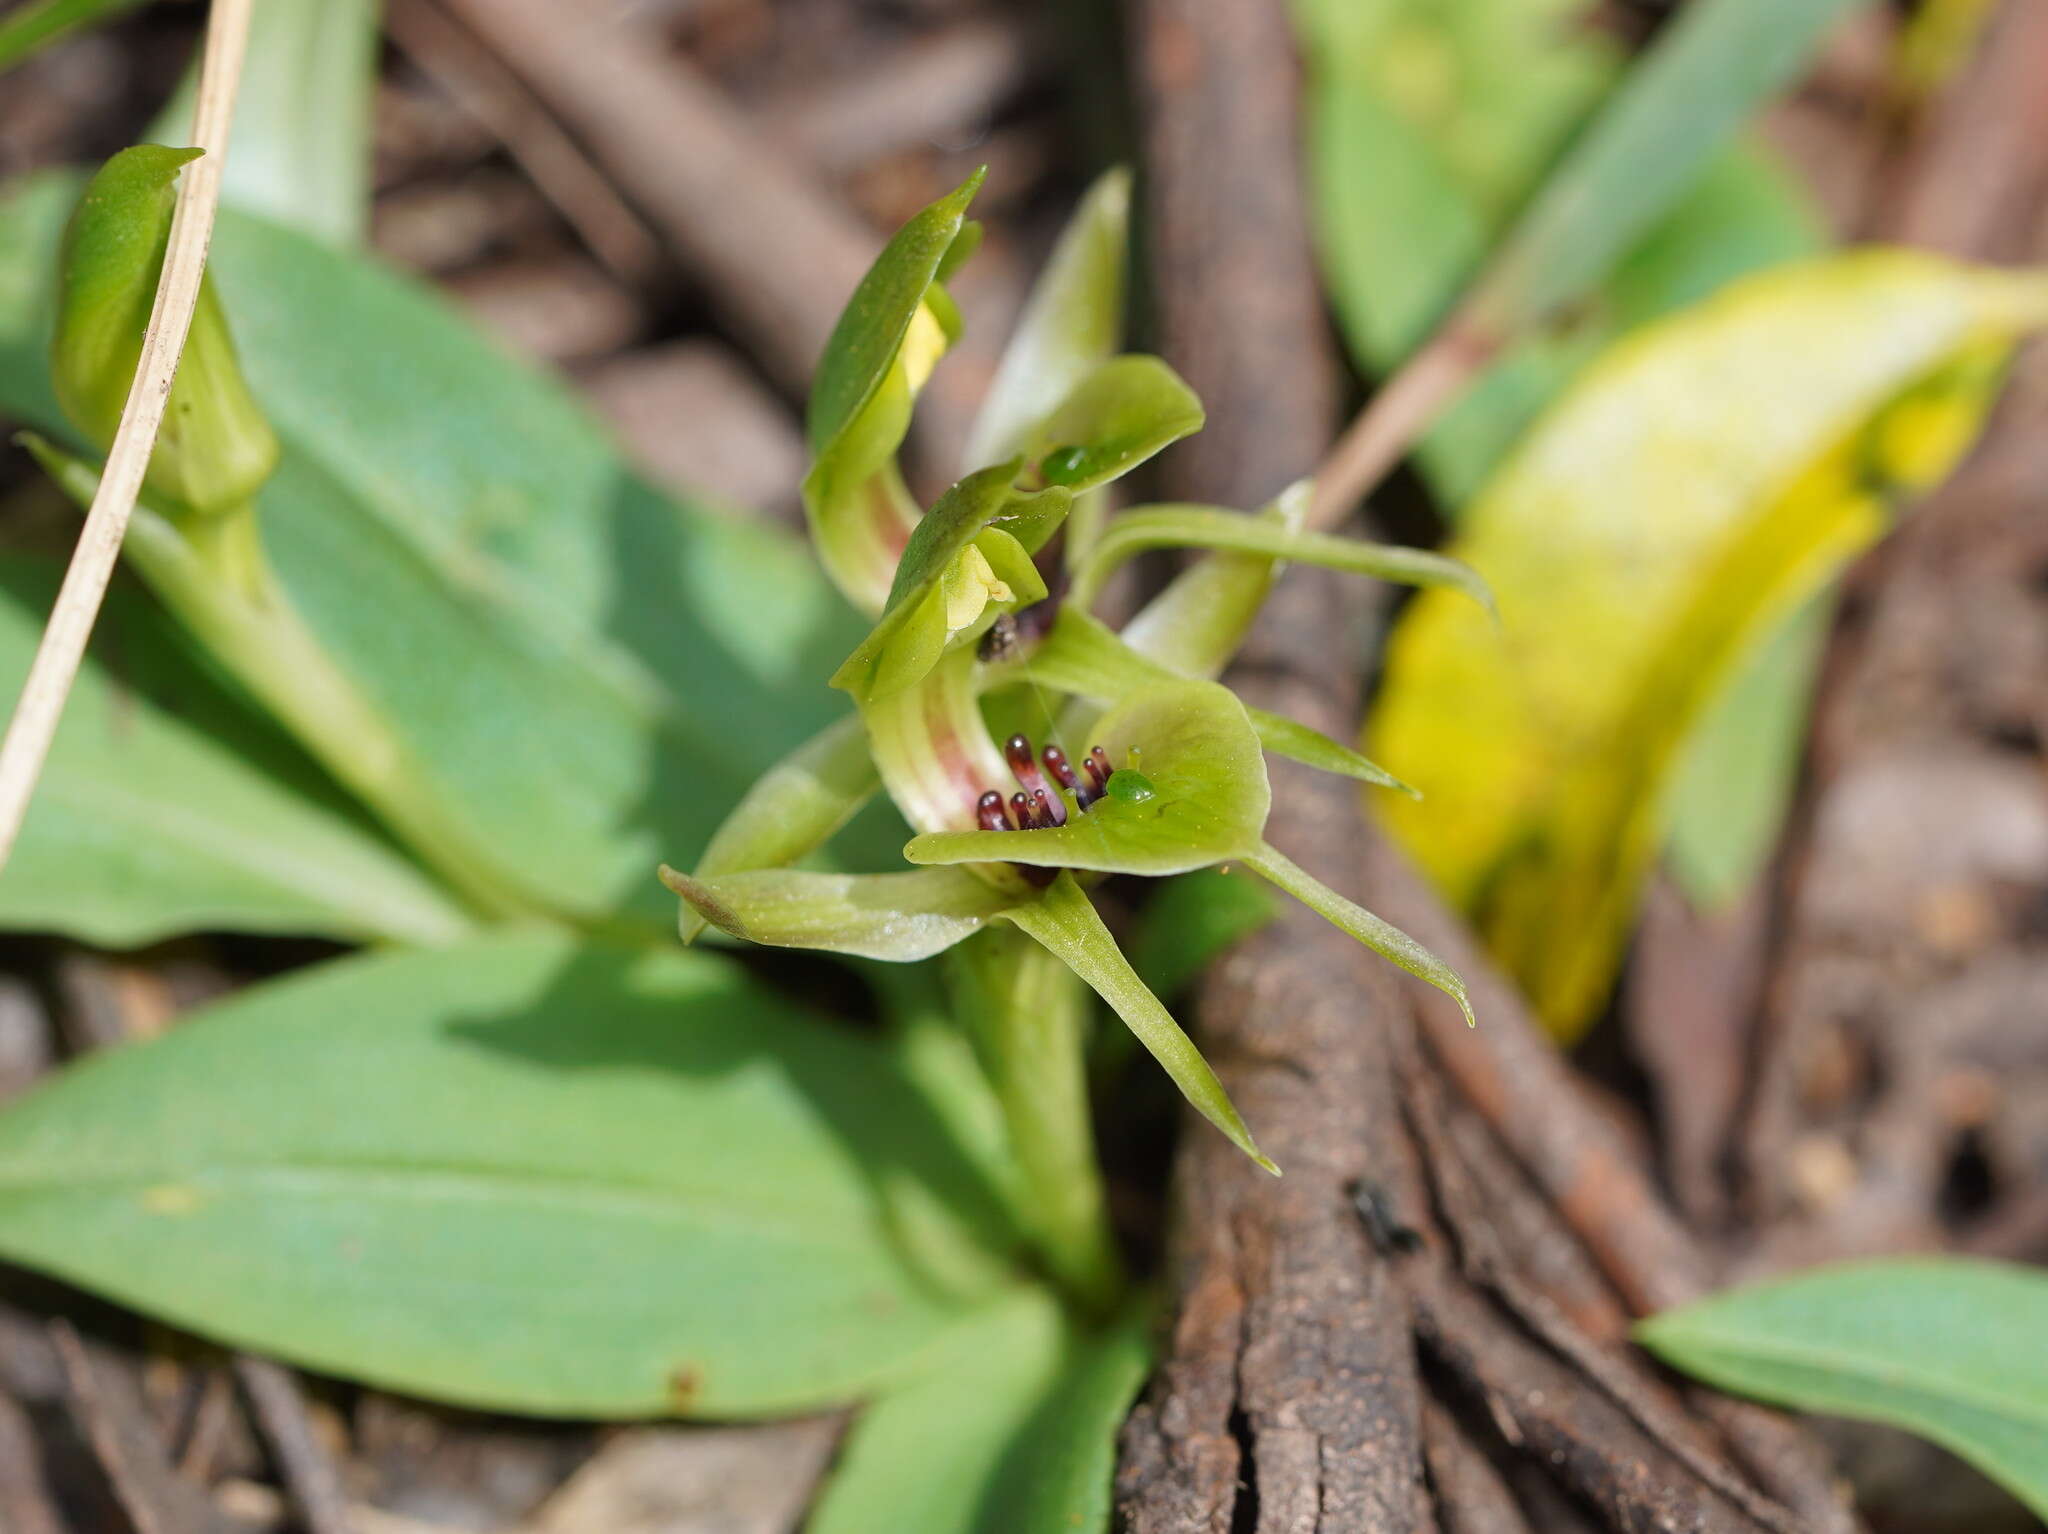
(213, 574)
(1029, 1011)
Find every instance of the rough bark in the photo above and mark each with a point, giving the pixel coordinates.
(1293, 1395)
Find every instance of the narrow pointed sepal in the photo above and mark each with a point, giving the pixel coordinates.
(1211, 527)
(1383, 938)
(1064, 921)
(793, 808)
(895, 917)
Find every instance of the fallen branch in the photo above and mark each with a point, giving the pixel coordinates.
(775, 251)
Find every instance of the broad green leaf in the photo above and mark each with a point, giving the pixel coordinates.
(1190, 920)
(1064, 921)
(38, 23)
(586, 673)
(898, 917)
(214, 449)
(1686, 497)
(1193, 741)
(1083, 656)
(1430, 125)
(891, 334)
(1070, 325)
(1113, 420)
(1703, 75)
(1732, 785)
(967, 561)
(170, 806)
(1209, 527)
(520, 1174)
(1010, 1429)
(794, 807)
(1949, 1348)
(302, 117)
(1383, 938)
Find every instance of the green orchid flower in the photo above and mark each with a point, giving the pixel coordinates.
(1146, 765)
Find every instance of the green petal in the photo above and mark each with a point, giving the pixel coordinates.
(892, 332)
(973, 520)
(1064, 921)
(1383, 938)
(793, 808)
(897, 917)
(871, 328)
(1202, 756)
(1209, 527)
(1112, 421)
(1069, 326)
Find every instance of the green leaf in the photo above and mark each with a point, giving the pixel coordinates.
(794, 807)
(302, 118)
(1634, 584)
(1209, 527)
(1070, 325)
(1949, 1348)
(1733, 785)
(956, 574)
(1430, 125)
(1113, 420)
(1383, 938)
(1083, 656)
(519, 1174)
(31, 27)
(214, 449)
(1209, 806)
(582, 672)
(1704, 74)
(1190, 920)
(898, 917)
(169, 806)
(1010, 1430)
(1066, 923)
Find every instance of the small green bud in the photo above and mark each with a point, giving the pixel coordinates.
(215, 448)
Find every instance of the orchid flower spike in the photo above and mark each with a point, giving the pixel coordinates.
(970, 608)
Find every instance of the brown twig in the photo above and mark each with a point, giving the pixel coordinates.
(25, 1503)
(303, 1464)
(777, 254)
(110, 1412)
(1471, 1496)
(934, 87)
(1400, 411)
(1485, 1261)
(562, 173)
(1289, 1320)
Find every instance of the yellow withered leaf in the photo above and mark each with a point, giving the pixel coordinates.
(1699, 482)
